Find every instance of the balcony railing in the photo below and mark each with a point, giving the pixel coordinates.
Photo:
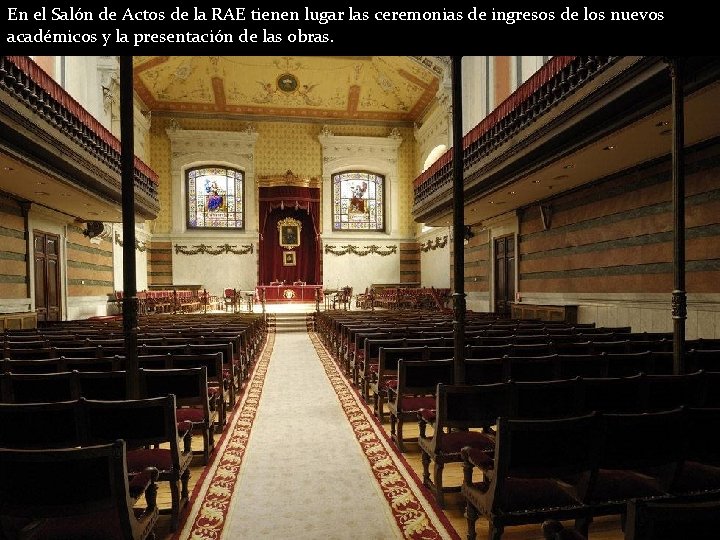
(557, 79)
(30, 85)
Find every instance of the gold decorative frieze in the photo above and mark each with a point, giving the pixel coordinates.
(210, 250)
(361, 251)
(438, 243)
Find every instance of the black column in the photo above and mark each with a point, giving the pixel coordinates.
(127, 170)
(458, 223)
(679, 296)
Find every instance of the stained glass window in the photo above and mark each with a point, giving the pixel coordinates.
(215, 198)
(358, 201)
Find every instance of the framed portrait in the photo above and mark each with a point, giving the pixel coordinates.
(289, 230)
(289, 258)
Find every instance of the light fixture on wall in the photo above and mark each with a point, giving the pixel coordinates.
(467, 234)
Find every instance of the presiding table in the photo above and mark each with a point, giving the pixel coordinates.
(288, 293)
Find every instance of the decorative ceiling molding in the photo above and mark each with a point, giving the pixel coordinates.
(387, 89)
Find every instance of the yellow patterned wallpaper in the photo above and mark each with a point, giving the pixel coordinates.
(280, 146)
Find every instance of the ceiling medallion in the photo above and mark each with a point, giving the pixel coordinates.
(287, 82)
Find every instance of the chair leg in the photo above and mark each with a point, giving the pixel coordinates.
(438, 473)
(379, 406)
(175, 502)
(394, 422)
(400, 441)
(495, 532)
(471, 515)
(426, 468)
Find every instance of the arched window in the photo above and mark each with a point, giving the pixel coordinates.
(215, 198)
(358, 201)
(433, 156)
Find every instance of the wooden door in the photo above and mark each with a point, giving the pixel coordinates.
(504, 274)
(46, 251)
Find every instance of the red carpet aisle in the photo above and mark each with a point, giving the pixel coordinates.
(315, 464)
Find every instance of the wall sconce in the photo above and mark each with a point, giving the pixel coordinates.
(467, 234)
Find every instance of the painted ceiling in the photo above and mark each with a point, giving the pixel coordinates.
(367, 88)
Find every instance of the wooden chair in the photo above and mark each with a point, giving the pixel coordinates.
(547, 399)
(581, 365)
(37, 387)
(40, 425)
(218, 389)
(664, 392)
(368, 372)
(145, 425)
(104, 385)
(484, 370)
(625, 365)
(672, 520)
(44, 365)
(520, 481)
(530, 368)
(387, 373)
(460, 413)
(230, 300)
(699, 475)
(342, 298)
(640, 458)
(191, 396)
(416, 386)
(73, 493)
(614, 394)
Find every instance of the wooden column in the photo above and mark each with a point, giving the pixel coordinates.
(127, 171)
(458, 223)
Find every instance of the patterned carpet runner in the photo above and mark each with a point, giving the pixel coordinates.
(304, 459)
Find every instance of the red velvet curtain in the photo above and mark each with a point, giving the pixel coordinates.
(303, 204)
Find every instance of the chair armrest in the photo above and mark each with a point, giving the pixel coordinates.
(144, 483)
(185, 433)
(475, 457)
(425, 417)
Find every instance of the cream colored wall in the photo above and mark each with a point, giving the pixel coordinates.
(283, 146)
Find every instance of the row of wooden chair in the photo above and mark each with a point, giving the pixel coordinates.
(64, 493)
(149, 428)
(593, 465)
(36, 381)
(459, 409)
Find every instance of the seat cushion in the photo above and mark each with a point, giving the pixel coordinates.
(619, 486)
(696, 478)
(451, 443)
(190, 414)
(528, 494)
(415, 403)
(139, 460)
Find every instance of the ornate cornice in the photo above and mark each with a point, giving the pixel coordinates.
(345, 146)
(198, 141)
